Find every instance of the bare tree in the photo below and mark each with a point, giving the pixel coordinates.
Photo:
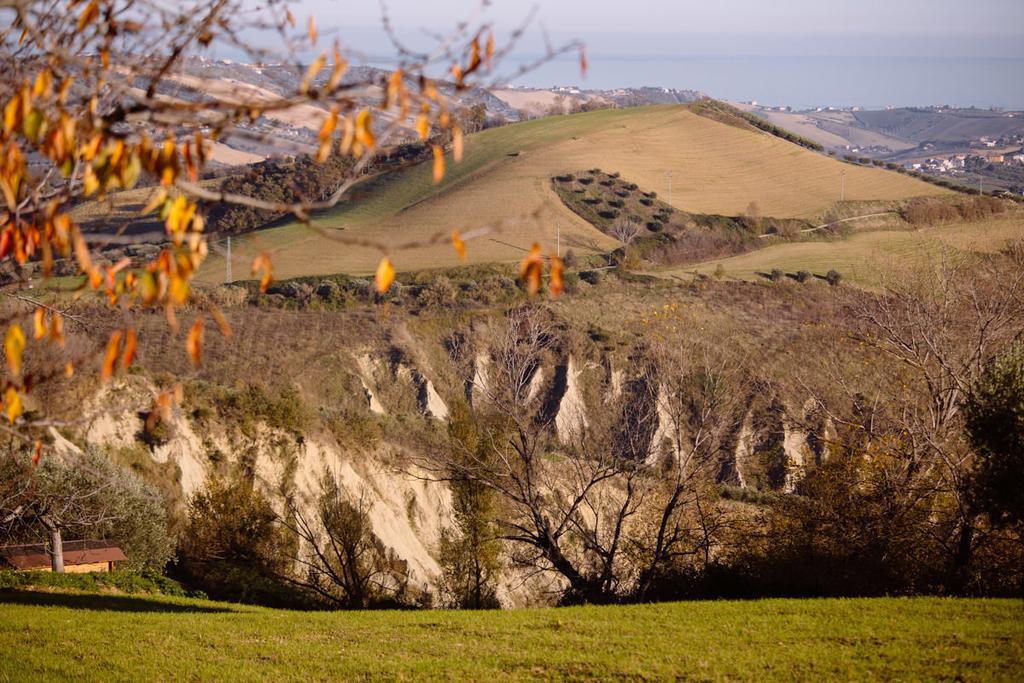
(625, 230)
(576, 506)
(339, 557)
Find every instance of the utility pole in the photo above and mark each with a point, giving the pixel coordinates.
(558, 239)
(228, 277)
(669, 176)
(842, 186)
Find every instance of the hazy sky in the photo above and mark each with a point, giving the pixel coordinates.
(794, 27)
(798, 52)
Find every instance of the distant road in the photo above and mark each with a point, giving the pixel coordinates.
(842, 220)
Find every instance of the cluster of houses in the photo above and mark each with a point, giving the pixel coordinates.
(958, 162)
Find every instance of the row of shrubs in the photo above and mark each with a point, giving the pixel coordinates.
(832, 277)
(723, 112)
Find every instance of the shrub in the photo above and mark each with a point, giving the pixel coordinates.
(655, 226)
(775, 275)
(570, 259)
(646, 201)
(614, 175)
(719, 271)
(610, 214)
(617, 203)
(803, 276)
(233, 547)
(585, 181)
(833, 277)
(592, 277)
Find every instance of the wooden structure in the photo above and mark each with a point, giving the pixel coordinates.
(79, 557)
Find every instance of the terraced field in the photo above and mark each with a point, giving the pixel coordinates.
(716, 168)
(866, 257)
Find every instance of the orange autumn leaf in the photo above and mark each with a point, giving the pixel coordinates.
(385, 275)
(457, 143)
(112, 354)
(460, 246)
(69, 369)
(531, 269)
(14, 347)
(194, 342)
(262, 264)
(39, 323)
(583, 63)
(37, 452)
(311, 28)
(438, 164)
(130, 345)
(557, 277)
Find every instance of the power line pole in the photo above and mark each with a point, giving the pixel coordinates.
(842, 186)
(669, 176)
(228, 277)
(558, 239)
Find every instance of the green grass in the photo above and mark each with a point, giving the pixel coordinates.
(95, 637)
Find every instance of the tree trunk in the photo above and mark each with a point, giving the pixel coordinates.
(56, 550)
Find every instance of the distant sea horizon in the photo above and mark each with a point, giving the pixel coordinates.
(802, 82)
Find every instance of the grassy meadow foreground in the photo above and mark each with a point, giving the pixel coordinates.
(117, 637)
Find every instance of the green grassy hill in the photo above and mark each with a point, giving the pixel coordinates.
(505, 176)
(47, 636)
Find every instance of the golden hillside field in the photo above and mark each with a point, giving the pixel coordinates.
(716, 168)
(868, 258)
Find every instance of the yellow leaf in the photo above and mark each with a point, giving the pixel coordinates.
(557, 279)
(423, 126)
(438, 164)
(111, 355)
(460, 246)
(90, 183)
(385, 275)
(194, 342)
(12, 114)
(14, 347)
(531, 269)
(12, 404)
(69, 369)
(37, 452)
(158, 199)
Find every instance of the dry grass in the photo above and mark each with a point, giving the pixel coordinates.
(716, 169)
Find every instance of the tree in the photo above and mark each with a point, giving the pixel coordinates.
(87, 112)
(625, 231)
(85, 496)
(470, 549)
(995, 422)
(339, 558)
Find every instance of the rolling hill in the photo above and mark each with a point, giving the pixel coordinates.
(715, 167)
